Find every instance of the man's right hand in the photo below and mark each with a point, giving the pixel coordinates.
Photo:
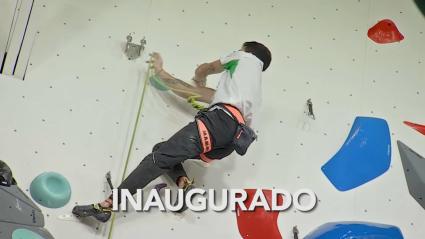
(157, 62)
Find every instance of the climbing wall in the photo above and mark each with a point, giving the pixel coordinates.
(75, 111)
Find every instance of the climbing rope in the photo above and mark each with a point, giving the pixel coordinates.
(133, 136)
(155, 80)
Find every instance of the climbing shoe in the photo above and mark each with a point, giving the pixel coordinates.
(95, 210)
(6, 178)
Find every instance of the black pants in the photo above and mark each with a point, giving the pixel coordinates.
(167, 156)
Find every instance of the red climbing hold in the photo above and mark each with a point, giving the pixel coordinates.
(385, 31)
(417, 127)
(258, 224)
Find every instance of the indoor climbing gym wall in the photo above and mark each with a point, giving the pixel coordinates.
(343, 114)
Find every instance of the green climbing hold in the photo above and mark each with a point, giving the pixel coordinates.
(51, 190)
(23, 233)
(231, 66)
(158, 83)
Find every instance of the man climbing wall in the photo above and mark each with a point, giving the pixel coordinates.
(215, 133)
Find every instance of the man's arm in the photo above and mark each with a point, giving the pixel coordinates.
(205, 70)
(181, 88)
(185, 90)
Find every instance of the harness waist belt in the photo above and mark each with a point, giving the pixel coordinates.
(204, 134)
(231, 110)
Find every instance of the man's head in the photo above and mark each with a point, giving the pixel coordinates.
(260, 51)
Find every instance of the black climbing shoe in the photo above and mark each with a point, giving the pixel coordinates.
(6, 178)
(188, 185)
(95, 210)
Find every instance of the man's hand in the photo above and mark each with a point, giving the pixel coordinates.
(200, 77)
(206, 69)
(157, 62)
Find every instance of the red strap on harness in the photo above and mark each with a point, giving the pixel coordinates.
(206, 141)
(236, 113)
(205, 158)
(204, 134)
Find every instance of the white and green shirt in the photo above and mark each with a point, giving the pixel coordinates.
(240, 84)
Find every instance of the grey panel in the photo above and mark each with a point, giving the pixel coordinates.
(16, 207)
(414, 171)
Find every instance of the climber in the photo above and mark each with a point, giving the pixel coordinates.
(215, 133)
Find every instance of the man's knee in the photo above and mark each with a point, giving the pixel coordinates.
(163, 161)
(156, 146)
(160, 159)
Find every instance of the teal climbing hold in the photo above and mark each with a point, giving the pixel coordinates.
(23, 233)
(51, 190)
(158, 83)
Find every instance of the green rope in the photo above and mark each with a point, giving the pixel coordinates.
(160, 85)
(132, 141)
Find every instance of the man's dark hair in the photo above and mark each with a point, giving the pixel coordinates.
(260, 51)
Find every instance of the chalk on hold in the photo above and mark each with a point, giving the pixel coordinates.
(51, 190)
(23, 233)
(385, 31)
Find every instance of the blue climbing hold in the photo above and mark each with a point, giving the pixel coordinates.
(23, 233)
(51, 190)
(357, 230)
(365, 155)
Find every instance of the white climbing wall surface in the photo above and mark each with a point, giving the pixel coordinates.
(74, 113)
